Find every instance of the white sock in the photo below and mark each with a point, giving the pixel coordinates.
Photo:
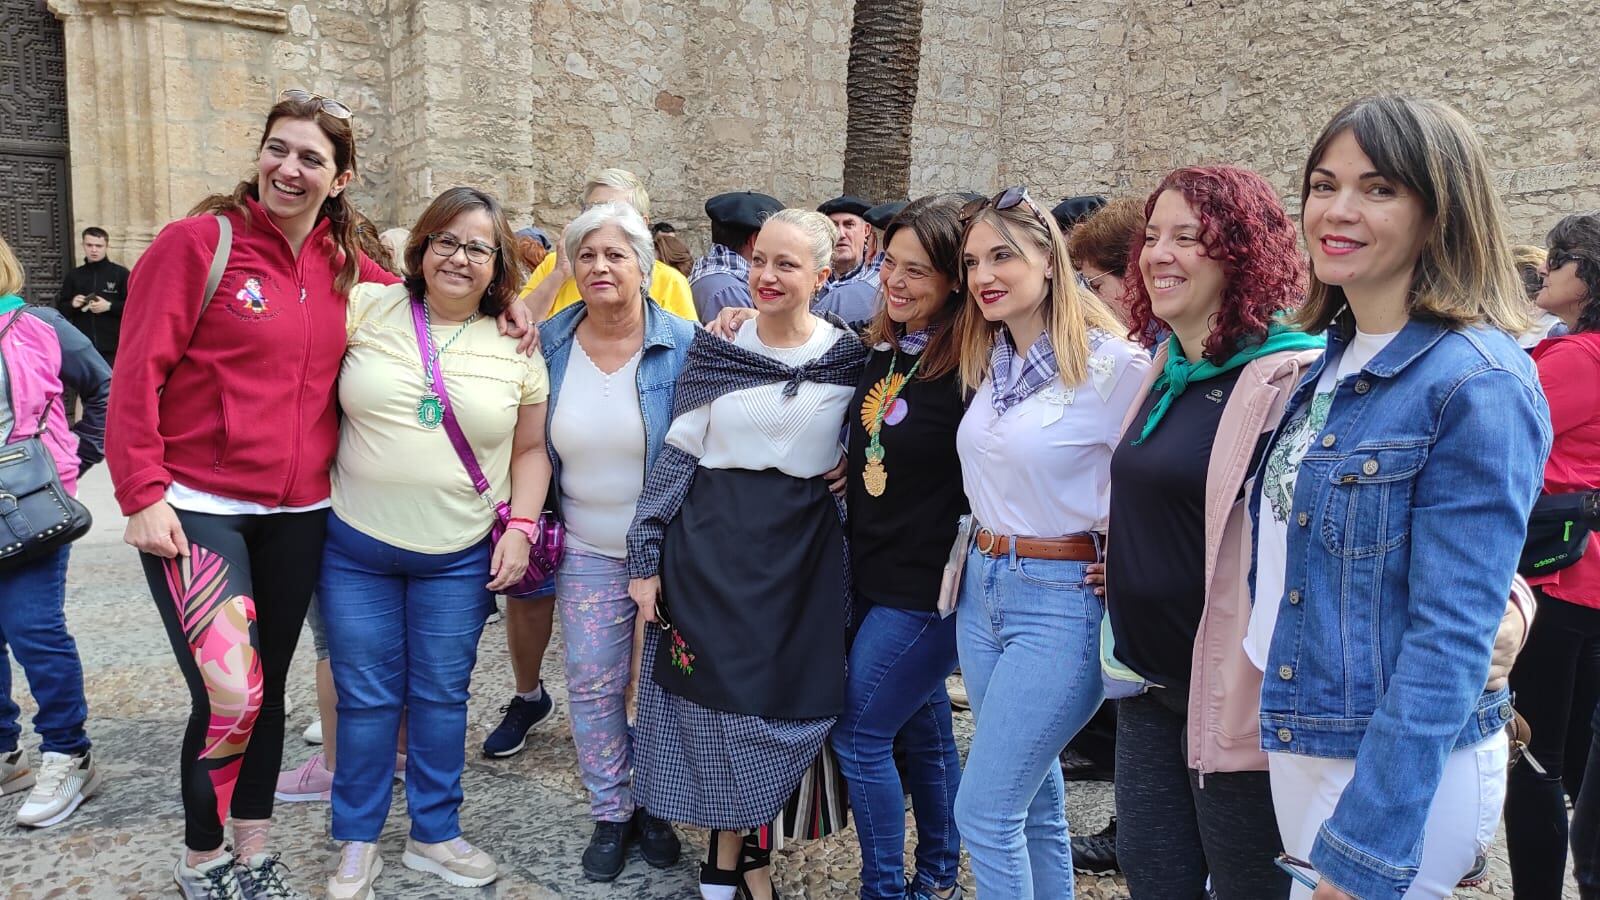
(533, 695)
(718, 891)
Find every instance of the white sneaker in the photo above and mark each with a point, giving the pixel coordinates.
(211, 880)
(63, 783)
(359, 866)
(16, 775)
(456, 861)
(313, 732)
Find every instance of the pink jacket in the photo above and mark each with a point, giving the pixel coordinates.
(1224, 686)
(35, 367)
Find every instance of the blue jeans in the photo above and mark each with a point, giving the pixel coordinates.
(898, 665)
(1028, 633)
(33, 625)
(403, 632)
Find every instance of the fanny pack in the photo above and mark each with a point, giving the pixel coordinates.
(1558, 532)
(37, 515)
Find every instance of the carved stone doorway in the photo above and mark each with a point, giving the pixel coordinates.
(35, 186)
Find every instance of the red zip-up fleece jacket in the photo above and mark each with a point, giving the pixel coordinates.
(1569, 371)
(238, 401)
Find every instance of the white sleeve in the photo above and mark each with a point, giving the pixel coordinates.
(688, 431)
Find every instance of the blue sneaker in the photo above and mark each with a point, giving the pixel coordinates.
(521, 716)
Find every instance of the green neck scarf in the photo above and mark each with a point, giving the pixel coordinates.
(10, 303)
(1180, 372)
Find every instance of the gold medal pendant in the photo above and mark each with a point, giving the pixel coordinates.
(873, 476)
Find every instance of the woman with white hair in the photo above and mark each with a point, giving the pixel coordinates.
(746, 673)
(614, 360)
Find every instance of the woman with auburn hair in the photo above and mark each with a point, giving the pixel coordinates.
(1053, 383)
(410, 571)
(1100, 246)
(1391, 512)
(1217, 264)
(221, 432)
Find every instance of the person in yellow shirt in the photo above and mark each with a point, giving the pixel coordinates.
(545, 296)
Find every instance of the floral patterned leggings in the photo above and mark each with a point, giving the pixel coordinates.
(597, 627)
(233, 610)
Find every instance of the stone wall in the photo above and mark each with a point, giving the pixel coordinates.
(1113, 95)
(527, 97)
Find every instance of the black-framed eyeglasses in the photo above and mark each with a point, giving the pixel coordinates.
(446, 245)
(329, 105)
(1559, 258)
(1006, 199)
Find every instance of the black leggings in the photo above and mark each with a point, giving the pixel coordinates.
(233, 610)
(1555, 683)
(1172, 833)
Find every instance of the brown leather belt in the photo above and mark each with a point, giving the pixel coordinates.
(1073, 548)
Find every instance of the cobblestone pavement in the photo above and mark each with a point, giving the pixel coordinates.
(529, 812)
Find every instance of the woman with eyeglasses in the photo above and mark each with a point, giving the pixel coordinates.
(1053, 382)
(1558, 679)
(409, 571)
(221, 434)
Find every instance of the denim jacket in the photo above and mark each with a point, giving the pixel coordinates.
(1410, 509)
(666, 346)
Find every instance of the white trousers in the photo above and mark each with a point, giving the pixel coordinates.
(1461, 821)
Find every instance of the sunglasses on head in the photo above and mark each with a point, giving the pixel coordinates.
(329, 105)
(1006, 199)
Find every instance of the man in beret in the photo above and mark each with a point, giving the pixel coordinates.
(851, 292)
(1072, 210)
(721, 278)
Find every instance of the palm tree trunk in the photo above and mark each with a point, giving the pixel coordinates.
(885, 55)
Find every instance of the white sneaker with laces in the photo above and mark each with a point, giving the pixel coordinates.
(456, 861)
(214, 879)
(63, 783)
(16, 775)
(359, 867)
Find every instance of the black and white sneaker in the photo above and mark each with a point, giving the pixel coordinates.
(1096, 854)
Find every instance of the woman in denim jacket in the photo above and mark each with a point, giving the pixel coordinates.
(1391, 510)
(614, 361)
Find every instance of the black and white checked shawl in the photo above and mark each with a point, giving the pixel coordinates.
(715, 367)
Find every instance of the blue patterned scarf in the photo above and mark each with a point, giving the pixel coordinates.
(721, 260)
(1038, 369)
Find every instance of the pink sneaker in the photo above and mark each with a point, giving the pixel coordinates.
(311, 782)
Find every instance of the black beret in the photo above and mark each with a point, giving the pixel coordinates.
(855, 206)
(881, 215)
(742, 209)
(1073, 210)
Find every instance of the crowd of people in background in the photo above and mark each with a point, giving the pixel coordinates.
(1177, 488)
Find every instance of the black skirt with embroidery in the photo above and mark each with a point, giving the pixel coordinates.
(737, 699)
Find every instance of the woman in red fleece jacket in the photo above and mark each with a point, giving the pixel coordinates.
(221, 433)
(1557, 680)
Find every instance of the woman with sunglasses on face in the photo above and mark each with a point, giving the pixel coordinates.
(220, 435)
(1218, 261)
(1053, 383)
(1558, 679)
(1391, 511)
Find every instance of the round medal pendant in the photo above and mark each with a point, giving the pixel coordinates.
(430, 411)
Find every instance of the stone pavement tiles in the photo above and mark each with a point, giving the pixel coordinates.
(529, 812)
